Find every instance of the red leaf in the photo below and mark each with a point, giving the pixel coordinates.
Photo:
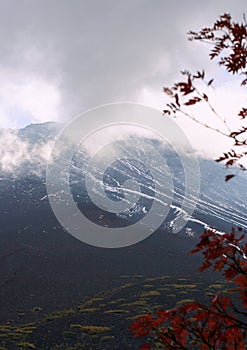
(192, 101)
(230, 162)
(229, 177)
(166, 111)
(177, 100)
(168, 91)
(210, 82)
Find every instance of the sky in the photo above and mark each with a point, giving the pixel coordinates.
(59, 58)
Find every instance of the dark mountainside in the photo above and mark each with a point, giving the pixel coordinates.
(45, 270)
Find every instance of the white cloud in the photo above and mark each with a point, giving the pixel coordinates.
(14, 152)
(26, 97)
(227, 98)
(60, 58)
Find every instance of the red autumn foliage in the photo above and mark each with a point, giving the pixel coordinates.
(229, 46)
(221, 324)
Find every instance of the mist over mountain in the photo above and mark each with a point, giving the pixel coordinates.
(222, 201)
(43, 265)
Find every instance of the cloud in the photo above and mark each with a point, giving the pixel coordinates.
(16, 153)
(227, 99)
(60, 58)
(13, 151)
(26, 97)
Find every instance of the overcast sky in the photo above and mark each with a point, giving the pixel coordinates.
(58, 58)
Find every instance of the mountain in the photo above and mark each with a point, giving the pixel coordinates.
(42, 265)
(219, 201)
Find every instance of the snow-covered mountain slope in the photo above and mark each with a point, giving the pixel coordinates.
(220, 204)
